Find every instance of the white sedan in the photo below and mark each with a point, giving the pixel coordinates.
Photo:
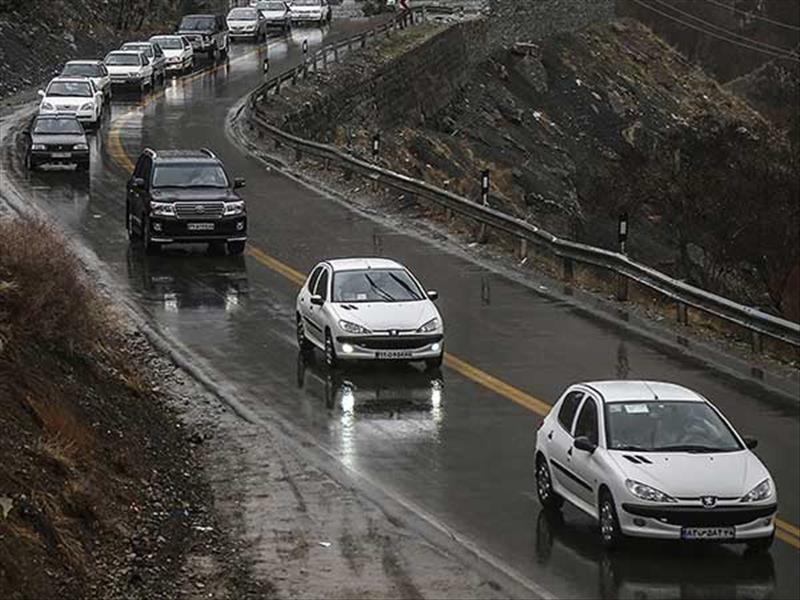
(653, 460)
(177, 50)
(369, 309)
(76, 96)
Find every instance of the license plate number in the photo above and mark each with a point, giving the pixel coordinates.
(61, 154)
(200, 226)
(708, 533)
(394, 354)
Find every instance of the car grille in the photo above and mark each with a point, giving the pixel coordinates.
(410, 342)
(690, 516)
(199, 210)
(59, 147)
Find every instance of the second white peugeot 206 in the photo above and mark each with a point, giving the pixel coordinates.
(653, 460)
(369, 309)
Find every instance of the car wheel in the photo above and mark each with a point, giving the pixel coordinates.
(544, 486)
(82, 167)
(302, 341)
(759, 545)
(30, 165)
(150, 247)
(236, 248)
(610, 532)
(330, 351)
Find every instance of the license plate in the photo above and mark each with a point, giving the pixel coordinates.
(708, 533)
(200, 226)
(394, 354)
(61, 154)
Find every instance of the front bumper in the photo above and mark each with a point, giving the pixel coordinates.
(667, 521)
(306, 17)
(242, 34)
(166, 230)
(60, 157)
(84, 116)
(380, 347)
(126, 80)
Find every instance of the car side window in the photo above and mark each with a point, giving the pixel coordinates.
(312, 281)
(587, 425)
(566, 414)
(322, 285)
(146, 169)
(139, 170)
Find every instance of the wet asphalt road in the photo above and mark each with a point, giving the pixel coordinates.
(450, 444)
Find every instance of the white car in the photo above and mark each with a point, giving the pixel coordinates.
(177, 50)
(130, 68)
(653, 460)
(277, 13)
(94, 70)
(75, 96)
(368, 309)
(311, 11)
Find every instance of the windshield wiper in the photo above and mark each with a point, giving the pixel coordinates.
(405, 286)
(691, 448)
(379, 289)
(632, 448)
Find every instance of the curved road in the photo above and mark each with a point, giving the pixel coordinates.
(458, 443)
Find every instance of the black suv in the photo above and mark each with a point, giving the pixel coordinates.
(184, 196)
(206, 33)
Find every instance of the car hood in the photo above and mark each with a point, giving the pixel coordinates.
(273, 14)
(67, 101)
(684, 475)
(193, 195)
(59, 138)
(382, 316)
(242, 22)
(123, 69)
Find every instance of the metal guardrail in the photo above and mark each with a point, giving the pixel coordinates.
(684, 295)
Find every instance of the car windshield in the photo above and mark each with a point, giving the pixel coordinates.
(57, 126)
(70, 89)
(663, 426)
(243, 14)
(169, 43)
(82, 70)
(145, 49)
(375, 285)
(272, 6)
(197, 23)
(128, 59)
(186, 175)
(306, 3)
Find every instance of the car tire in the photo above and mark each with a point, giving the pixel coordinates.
(330, 351)
(82, 167)
(132, 234)
(236, 248)
(548, 498)
(760, 545)
(150, 247)
(302, 341)
(30, 164)
(610, 531)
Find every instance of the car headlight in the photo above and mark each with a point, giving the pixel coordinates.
(38, 147)
(234, 208)
(431, 325)
(645, 492)
(47, 106)
(761, 492)
(353, 328)
(162, 209)
(87, 106)
(135, 74)
(80, 147)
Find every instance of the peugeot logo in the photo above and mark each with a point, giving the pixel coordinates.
(708, 501)
(393, 332)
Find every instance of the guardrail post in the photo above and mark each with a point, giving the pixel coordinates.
(294, 77)
(485, 181)
(523, 249)
(324, 58)
(756, 342)
(349, 45)
(622, 287)
(364, 41)
(567, 270)
(336, 55)
(683, 313)
(278, 86)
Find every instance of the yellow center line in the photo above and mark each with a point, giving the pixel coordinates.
(784, 531)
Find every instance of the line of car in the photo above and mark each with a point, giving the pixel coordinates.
(644, 459)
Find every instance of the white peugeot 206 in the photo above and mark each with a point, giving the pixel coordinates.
(369, 309)
(653, 460)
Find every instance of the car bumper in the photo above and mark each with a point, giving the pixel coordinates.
(69, 157)
(176, 66)
(276, 23)
(668, 522)
(125, 81)
(85, 116)
(404, 348)
(243, 35)
(307, 17)
(165, 230)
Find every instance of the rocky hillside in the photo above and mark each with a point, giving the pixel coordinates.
(37, 36)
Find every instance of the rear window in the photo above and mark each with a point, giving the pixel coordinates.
(82, 71)
(169, 43)
(197, 23)
(146, 49)
(189, 175)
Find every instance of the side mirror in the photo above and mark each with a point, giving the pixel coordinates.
(317, 300)
(41, 93)
(238, 183)
(583, 443)
(750, 442)
(433, 295)
(137, 183)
